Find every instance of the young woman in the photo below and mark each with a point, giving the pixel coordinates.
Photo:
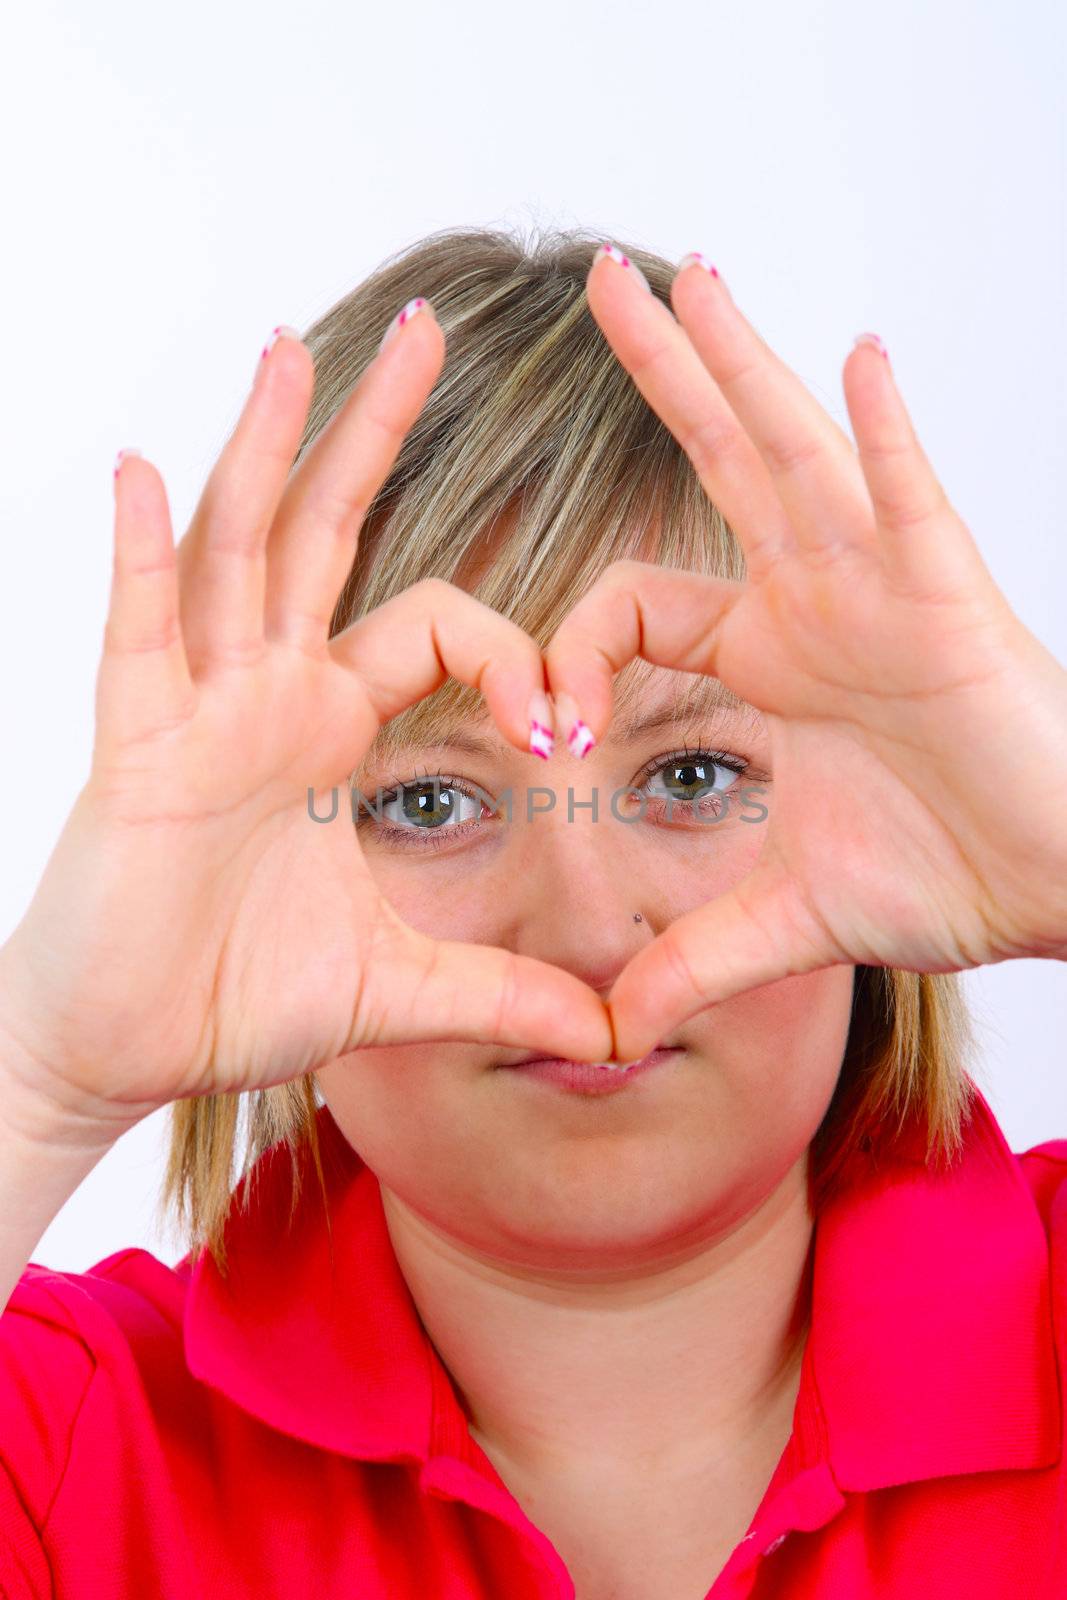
(491, 1312)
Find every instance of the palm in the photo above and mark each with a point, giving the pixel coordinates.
(260, 920)
(909, 709)
(873, 839)
(195, 930)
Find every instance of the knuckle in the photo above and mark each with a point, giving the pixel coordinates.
(627, 569)
(330, 506)
(223, 519)
(791, 455)
(435, 591)
(119, 641)
(713, 440)
(903, 509)
(624, 573)
(885, 451)
(748, 369)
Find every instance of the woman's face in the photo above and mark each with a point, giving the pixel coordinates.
(529, 1172)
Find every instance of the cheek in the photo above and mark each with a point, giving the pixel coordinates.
(394, 1103)
(431, 896)
(781, 1045)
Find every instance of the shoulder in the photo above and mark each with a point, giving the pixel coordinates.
(1044, 1170)
(83, 1319)
(62, 1336)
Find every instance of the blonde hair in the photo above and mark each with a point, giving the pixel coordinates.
(536, 438)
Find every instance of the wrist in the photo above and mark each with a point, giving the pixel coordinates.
(40, 1107)
(32, 1116)
(46, 1152)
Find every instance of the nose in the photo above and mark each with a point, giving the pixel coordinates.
(579, 877)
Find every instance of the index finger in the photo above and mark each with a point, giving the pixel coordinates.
(660, 357)
(405, 648)
(665, 615)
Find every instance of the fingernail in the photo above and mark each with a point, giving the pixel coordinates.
(694, 258)
(579, 736)
(873, 340)
(120, 458)
(616, 254)
(282, 331)
(542, 738)
(404, 315)
(580, 739)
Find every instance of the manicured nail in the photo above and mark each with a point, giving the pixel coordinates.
(282, 331)
(580, 740)
(694, 258)
(542, 738)
(405, 314)
(120, 458)
(579, 736)
(616, 254)
(873, 340)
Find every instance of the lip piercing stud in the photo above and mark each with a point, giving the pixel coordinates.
(638, 917)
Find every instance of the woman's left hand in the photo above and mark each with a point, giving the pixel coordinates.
(918, 729)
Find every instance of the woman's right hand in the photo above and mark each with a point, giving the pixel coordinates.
(195, 931)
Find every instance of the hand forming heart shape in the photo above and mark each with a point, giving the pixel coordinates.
(193, 934)
(896, 681)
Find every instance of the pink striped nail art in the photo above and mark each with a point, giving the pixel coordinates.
(694, 258)
(580, 739)
(873, 340)
(282, 331)
(542, 740)
(616, 254)
(404, 315)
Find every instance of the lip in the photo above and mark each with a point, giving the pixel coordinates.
(591, 1077)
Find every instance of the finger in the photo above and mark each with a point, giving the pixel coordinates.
(660, 358)
(143, 684)
(926, 546)
(405, 649)
(635, 608)
(313, 540)
(757, 933)
(811, 460)
(222, 558)
(425, 989)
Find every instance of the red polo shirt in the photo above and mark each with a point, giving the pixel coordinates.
(166, 1435)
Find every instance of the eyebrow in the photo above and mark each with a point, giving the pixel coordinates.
(711, 698)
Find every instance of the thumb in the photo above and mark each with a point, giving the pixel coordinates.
(761, 930)
(426, 988)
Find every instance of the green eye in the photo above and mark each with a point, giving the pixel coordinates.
(689, 774)
(428, 804)
(686, 780)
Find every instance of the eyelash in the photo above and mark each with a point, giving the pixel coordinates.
(433, 838)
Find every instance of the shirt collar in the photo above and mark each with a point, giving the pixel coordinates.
(930, 1350)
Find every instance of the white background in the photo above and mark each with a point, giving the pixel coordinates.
(176, 181)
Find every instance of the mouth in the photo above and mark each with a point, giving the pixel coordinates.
(592, 1077)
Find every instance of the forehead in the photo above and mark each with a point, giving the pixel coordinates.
(655, 698)
(658, 695)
